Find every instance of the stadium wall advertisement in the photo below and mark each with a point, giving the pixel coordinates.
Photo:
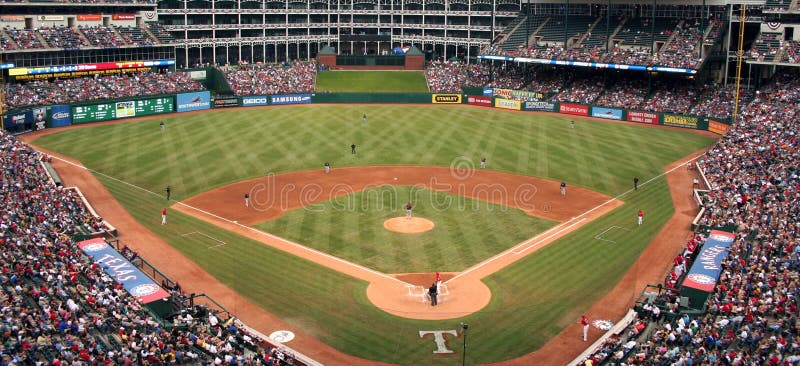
(122, 271)
(480, 101)
(676, 120)
(226, 102)
(717, 127)
(446, 98)
(507, 104)
(540, 106)
(60, 116)
(19, 121)
(607, 113)
(255, 100)
(196, 101)
(643, 117)
(290, 99)
(574, 109)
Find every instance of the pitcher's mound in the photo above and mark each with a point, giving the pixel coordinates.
(408, 226)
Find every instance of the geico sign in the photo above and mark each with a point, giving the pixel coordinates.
(447, 98)
(249, 101)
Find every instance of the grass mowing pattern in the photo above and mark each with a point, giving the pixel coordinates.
(532, 299)
(351, 227)
(215, 148)
(371, 82)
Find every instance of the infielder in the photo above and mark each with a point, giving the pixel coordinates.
(564, 189)
(483, 162)
(327, 167)
(408, 210)
(246, 200)
(640, 216)
(164, 216)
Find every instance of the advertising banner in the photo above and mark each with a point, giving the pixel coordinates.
(507, 104)
(50, 18)
(488, 92)
(39, 122)
(446, 98)
(18, 122)
(575, 109)
(539, 106)
(123, 17)
(521, 95)
(132, 279)
(255, 100)
(707, 267)
(607, 113)
(718, 127)
(193, 101)
(12, 18)
(89, 17)
(290, 99)
(226, 102)
(643, 117)
(60, 116)
(478, 100)
(677, 120)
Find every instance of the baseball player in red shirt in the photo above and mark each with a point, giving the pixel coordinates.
(164, 216)
(640, 216)
(585, 323)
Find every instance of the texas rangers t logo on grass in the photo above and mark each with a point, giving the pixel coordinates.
(439, 339)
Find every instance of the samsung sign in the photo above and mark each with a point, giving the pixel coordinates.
(290, 99)
(255, 100)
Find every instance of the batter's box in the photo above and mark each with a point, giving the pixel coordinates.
(208, 239)
(612, 234)
(421, 293)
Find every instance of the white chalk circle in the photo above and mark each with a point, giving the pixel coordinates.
(282, 336)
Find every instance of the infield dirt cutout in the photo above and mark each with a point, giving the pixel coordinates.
(402, 294)
(408, 225)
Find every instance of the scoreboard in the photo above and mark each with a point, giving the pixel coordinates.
(114, 110)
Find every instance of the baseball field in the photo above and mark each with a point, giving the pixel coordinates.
(532, 299)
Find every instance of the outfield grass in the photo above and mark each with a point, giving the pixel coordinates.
(351, 227)
(371, 82)
(532, 300)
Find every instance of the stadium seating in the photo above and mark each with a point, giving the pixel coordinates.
(60, 91)
(134, 36)
(264, 79)
(765, 48)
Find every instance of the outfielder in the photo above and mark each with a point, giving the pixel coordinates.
(640, 216)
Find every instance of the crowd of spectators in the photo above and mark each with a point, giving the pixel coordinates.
(59, 91)
(625, 93)
(100, 36)
(266, 79)
(718, 101)
(676, 96)
(22, 39)
(61, 308)
(682, 51)
(751, 317)
(583, 90)
(82, 37)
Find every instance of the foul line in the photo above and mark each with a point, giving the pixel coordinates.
(221, 243)
(599, 236)
(271, 236)
(513, 249)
